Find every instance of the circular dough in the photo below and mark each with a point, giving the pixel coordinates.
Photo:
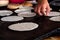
(57, 18)
(26, 26)
(27, 14)
(22, 10)
(54, 14)
(12, 18)
(5, 12)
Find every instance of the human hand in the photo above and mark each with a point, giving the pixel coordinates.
(42, 8)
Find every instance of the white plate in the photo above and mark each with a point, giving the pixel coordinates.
(26, 26)
(27, 14)
(57, 18)
(12, 18)
(22, 10)
(54, 14)
(5, 12)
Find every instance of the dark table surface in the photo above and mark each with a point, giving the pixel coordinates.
(45, 26)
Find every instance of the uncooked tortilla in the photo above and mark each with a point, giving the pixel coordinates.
(5, 12)
(26, 26)
(27, 14)
(22, 10)
(12, 18)
(54, 14)
(57, 18)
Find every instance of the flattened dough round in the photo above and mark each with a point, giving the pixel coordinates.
(26, 26)
(57, 18)
(27, 14)
(54, 14)
(22, 10)
(12, 18)
(5, 12)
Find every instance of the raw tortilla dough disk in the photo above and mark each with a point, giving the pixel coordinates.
(12, 18)
(57, 18)
(27, 14)
(54, 14)
(22, 10)
(5, 12)
(26, 26)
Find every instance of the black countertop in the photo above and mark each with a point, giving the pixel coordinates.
(45, 26)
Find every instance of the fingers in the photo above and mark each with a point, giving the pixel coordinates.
(47, 10)
(38, 10)
(43, 10)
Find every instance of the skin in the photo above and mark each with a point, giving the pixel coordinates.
(42, 8)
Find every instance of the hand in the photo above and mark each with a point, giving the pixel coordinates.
(43, 8)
